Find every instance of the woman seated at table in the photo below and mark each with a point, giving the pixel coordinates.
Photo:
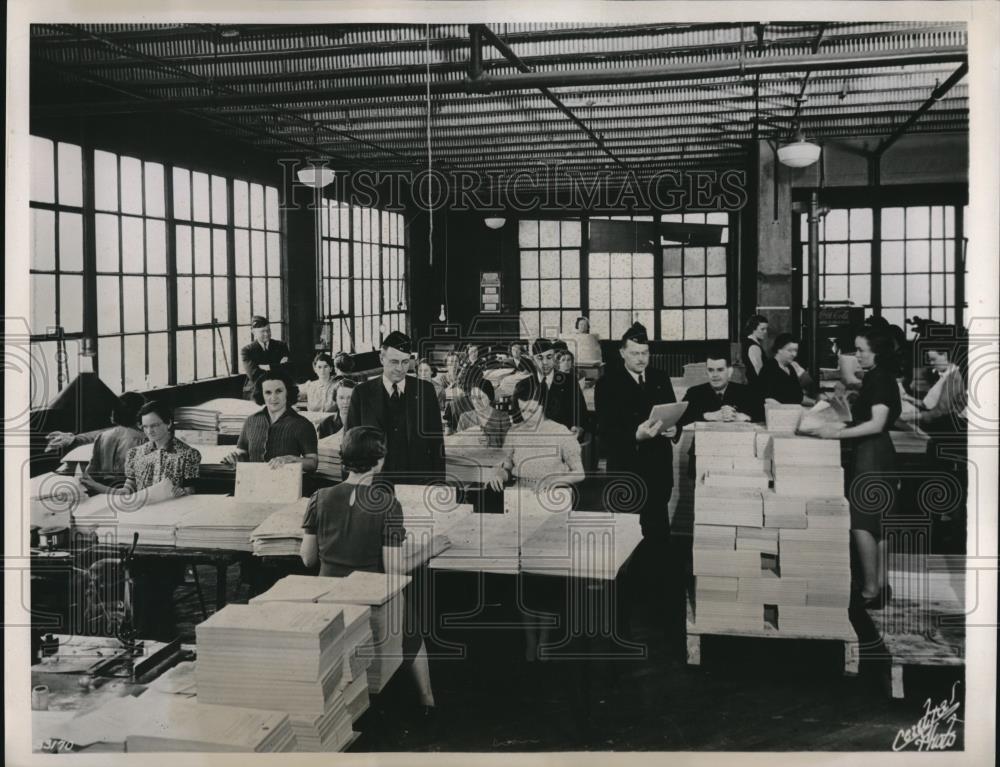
(335, 423)
(493, 423)
(940, 407)
(320, 393)
(538, 452)
(358, 525)
(447, 380)
(426, 372)
(277, 433)
(782, 380)
(106, 469)
(162, 457)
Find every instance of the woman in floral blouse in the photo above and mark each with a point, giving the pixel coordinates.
(162, 457)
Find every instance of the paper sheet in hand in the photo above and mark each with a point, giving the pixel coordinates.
(260, 483)
(668, 415)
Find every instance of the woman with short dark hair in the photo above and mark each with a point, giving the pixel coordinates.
(162, 457)
(320, 393)
(751, 346)
(781, 379)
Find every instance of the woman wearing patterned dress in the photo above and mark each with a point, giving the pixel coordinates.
(320, 394)
(162, 457)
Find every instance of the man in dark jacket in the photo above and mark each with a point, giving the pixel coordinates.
(561, 396)
(406, 409)
(634, 446)
(261, 355)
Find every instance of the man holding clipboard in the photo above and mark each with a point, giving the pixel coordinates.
(636, 430)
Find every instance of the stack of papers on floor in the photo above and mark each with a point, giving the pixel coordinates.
(808, 481)
(784, 511)
(197, 417)
(733, 464)
(760, 539)
(783, 418)
(729, 616)
(806, 451)
(718, 537)
(714, 478)
(815, 621)
(225, 523)
(828, 512)
(769, 589)
(715, 588)
(329, 456)
(727, 564)
(733, 440)
(280, 534)
(728, 506)
(232, 413)
(290, 655)
(815, 553)
(580, 544)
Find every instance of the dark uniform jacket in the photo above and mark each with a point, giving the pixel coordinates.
(253, 356)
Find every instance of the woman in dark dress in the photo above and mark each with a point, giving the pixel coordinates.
(871, 480)
(780, 380)
(752, 346)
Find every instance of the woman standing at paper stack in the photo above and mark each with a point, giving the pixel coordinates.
(872, 482)
(358, 525)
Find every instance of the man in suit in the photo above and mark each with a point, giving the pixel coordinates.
(406, 409)
(720, 400)
(261, 355)
(624, 397)
(561, 396)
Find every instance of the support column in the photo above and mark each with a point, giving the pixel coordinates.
(773, 240)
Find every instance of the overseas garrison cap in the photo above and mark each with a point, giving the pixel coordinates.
(398, 341)
(259, 322)
(636, 333)
(541, 345)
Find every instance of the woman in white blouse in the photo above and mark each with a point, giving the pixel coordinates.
(321, 394)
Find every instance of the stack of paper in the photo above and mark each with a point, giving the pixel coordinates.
(180, 680)
(729, 616)
(815, 553)
(329, 456)
(734, 440)
(718, 537)
(806, 451)
(783, 418)
(715, 588)
(225, 523)
(196, 418)
(119, 517)
(808, 480)
(782, 511)
(727, 564)
(749, 480)
(290, 655)
(769, 589)
(728, 506)
(814, 621)
(488, 542)
(578, 544)
(280, 534)
(828, 512)
(733, 464)
(760, 539)
(232, 413)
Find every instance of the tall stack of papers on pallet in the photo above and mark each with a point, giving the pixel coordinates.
(288, 655)
(766, 561)
(329, 456)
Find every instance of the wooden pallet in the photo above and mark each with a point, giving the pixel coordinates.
(844, 634)
(923, 625)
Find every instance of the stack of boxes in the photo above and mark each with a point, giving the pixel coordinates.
(769, 560)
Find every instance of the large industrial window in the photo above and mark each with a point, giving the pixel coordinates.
(550, 276)
(130, 243)
(695, 298)
(56, 267)
(916, 272)
(257, 264)
(623, 285)
(362, 268)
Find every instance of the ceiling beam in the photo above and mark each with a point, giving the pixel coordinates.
(936, 94)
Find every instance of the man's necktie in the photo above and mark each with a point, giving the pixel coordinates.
(395, 393)
(642, 381)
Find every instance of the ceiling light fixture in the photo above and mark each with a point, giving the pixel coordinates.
(316, 176)
(495, 222)
(799, 154)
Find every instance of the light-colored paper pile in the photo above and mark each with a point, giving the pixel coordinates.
(232, 413)
(225, 523)
(578, 544)
(153, 513)
(280, 534)
(197, 418)
(783, 418)
(329, 456)
(287, 654)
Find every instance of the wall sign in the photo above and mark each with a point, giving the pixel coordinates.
(489, 292)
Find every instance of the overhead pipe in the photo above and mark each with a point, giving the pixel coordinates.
(936, 94)
(534, 80)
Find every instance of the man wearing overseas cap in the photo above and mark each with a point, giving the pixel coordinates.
(560, 395)
(624, 397)
(262, 354)
(406, 409)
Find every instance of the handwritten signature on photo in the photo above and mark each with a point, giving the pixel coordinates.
(925, 735)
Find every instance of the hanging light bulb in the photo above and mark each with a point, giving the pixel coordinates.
(442, 316)
(495, 222)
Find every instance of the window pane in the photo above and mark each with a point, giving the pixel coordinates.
(836, 225)
(694, 324)
(673, 294)
(529, 321)
(694, 291)
(243, 312)
(206, 354)
(642, 265)
(43, 303)
(109, 307)
(105, 181)
(835, 288)
(158, 359)
(202, 300)
(600, 324)
(621, 320)
(202, 250)
(221, 300)
(599, 265)
(918, 257)
(621, 295)
(258, 256)
(156, 246)
(861, 257)
(258, 289)
(548, 234)
(273, 255)
(185, 263)
(71, 303)
(861, 290)
(71, 242)
(155, 193)
(241, 204)
(529, 264)
(571, 263)
(549, 293)
(549, 263)
(892, 257)
(642, 294)
(185, 301)
(271, 205)
(131, 174)
(134, 305)
(222, 364)
(836, 259)
(43, 246)
(200, 202)
(917, 222)
(156, 288)
(256, 206)
(716, 261)
(937, 255)
(42, 170)
(717, 324)
(182, 194)
(185, 356)
(892, 224)
(892, 290)
(716, 291)
(937, 290)
(672, 262)
(918, 289)
(571, 233)
(135, 362)
(219, 266)
(861, 224)
(242, 252)
(600, 294)
(109, 362)
(694, 261)
(132, 245)
(549, 324)
(106, 229)
(70, 175)
(527, 234)
(219, 213)
(570, 293)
